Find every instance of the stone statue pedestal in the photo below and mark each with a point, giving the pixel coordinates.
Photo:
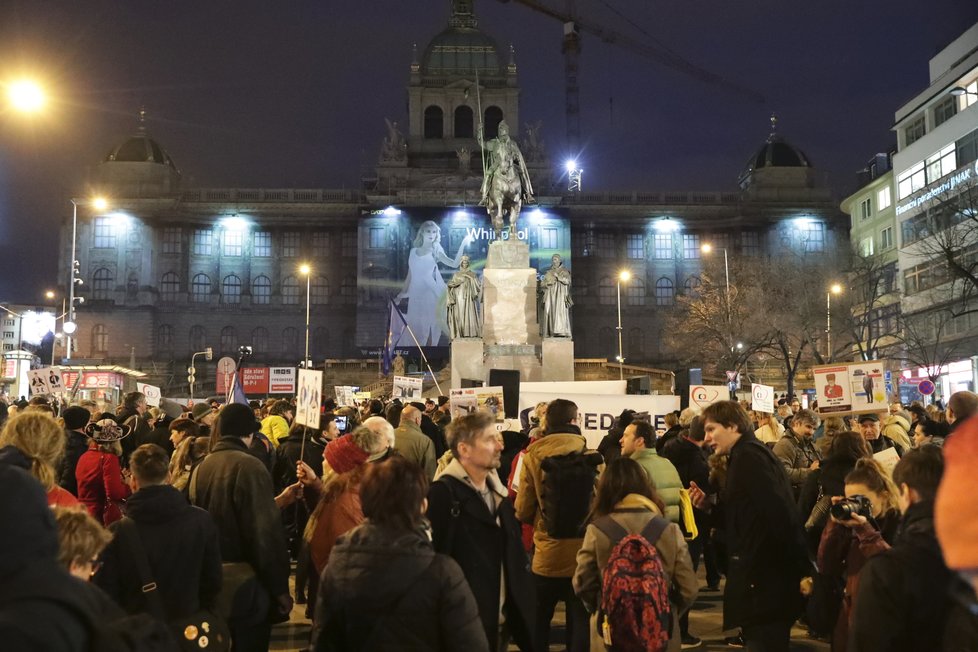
(467, 360)
(558, 358)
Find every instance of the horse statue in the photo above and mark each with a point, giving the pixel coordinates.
(506, 186)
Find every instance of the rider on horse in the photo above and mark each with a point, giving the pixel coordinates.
(501, 188)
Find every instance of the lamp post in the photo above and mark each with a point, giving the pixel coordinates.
(307, 270)
(623, 277)
(707, 248)
(834, 289)
(50, 295)
(100, 204)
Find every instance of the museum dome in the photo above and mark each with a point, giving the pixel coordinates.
(139, 149)
(776, 153)
(462, 48)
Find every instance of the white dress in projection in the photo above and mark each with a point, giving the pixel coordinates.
(425, 293)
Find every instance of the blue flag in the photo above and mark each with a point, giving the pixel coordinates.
(236, 393)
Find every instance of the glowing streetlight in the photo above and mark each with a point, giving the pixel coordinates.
(49, 294)
(69, 326)
(573, 175)
(304, 268)
(707, 248)
(26, 96)
(623, 277)
(835, 288)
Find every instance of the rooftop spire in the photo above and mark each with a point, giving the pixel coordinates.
(774, 128)
(463, 15)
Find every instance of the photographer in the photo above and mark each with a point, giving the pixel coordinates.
(862, 524)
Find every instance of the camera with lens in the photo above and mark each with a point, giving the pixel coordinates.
(845, 509)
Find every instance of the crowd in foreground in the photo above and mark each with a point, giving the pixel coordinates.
(409, 530)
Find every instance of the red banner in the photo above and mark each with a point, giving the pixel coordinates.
(254, 380)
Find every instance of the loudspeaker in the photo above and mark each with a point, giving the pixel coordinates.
(469, 382)
(509, 380)
(638, 385)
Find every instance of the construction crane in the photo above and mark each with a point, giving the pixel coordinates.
(571, 49)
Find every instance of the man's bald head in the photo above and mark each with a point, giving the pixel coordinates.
(411, 413)
(382, 426)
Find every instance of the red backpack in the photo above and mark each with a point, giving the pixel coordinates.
(635, 613)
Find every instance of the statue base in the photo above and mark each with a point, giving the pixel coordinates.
(558, 358)
(467, 361)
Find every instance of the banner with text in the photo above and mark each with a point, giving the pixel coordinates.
(851, 388)
(406, 387)
(281, 380)
(470, 399)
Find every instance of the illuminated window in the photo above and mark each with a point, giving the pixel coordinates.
(548, 238)
(945, 110)
(202, 242)
(911, 180)
(261, 290)
(170, 287)
(290, 341)
(607, 292)
(940, 164)
(972, 95)
(319, 290)
(813, 237)
(104, 233)
(164, 338)
(290, 291)
(662, 246)
(866, 247)
(233, 242)
(231, 289)
(664, 292)
(377, 240)
(100, 339)
(259, 340)
(914, 131)
(635, 292)
(320, 245)
(691, 246)
(635, 245)
(101, 283)
(200, 288)
(171, 240)
(263, 244)
(883, 198)
(198, 338)
(229, 339)
(290, 244)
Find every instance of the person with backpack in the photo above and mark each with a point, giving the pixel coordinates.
(632, 565)
(556, 488)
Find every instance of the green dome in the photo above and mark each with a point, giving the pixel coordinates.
(462, 51)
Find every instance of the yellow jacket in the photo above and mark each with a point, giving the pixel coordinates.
(275, 427)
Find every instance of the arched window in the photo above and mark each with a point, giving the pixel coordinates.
(319, 291)
(198, 338)
(200, 288)
(259, 340)
(290, 341)
(692, 285)
(349, 289)
(636, 344)
(101, 283)
(434, 122)
(494, 115)
(635, 292)
(290, 291)
(164, 337)
(463, 122)
(231, 290)
(664, 292)
(607, 292)
(170, 287)
(100, 339)
(320, 342)
(261, 290)
(229, 339)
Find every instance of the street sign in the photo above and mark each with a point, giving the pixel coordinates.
(226, 365)
(926, 387)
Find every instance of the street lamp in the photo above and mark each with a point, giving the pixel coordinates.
(26, 96)
(958, 91)
(307, 270)
(99, 204)
(623, 277)
(50, 295)
(835, 288)
(707, 248)
(574, 175)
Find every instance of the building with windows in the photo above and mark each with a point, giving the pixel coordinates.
(172, 269)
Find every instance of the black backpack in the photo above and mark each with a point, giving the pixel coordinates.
(568, 489)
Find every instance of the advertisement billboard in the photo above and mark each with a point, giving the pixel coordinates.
(408, 255)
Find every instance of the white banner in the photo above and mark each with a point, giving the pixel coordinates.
(38, 379)
(468, 400)
(559, 387)
(848, 388)
(406, 387)
(762, 398)
(597, 412)
(702, 395)
(281, 380)
(151, 392)
(309, 397)
(345, 395)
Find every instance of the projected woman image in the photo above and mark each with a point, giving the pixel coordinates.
(424, 287)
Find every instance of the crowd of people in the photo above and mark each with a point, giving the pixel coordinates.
(398, 527)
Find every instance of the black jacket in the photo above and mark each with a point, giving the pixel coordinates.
(690, 461)
(904, 597)
(435, 434)
(765, 539)
(667, 437)
(181, 545)
(236, 489)
(287, 455)
(388, 590)
(485, 545)
(77, 444)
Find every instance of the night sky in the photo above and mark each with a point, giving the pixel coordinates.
(294, 93)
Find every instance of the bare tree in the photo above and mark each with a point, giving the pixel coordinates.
(862, 308)
(925, 341)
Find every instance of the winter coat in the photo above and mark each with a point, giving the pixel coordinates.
(435, 434)
(797, 454)
(75, 447)
(634, 513)
(388, 590)
(842, 553)
(897, 429)
(140, 431)
(664, 478)
(236, 489)
(690, 462)
(275, 428)
(552, 557)
(488, 548)
(100, 485)
(287, 455)
(669, 436)
(610, 446)
(337, 517)
(182, 547)
(414, 445)
(770, 432)
(765, 539)
(903, 600)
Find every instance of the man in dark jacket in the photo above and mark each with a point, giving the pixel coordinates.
(236, 488)
(796, 449)
(765, 539)
(180, 543)
(76, 418)
(869, 428)
(473, 522)
(431, 430)
(903, 600)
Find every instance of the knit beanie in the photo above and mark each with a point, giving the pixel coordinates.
(956, 511)
(344, 455)
(237, 420)
(76, 417)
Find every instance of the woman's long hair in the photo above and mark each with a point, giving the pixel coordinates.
(419, 237)
(621, 477)
(871, 473)
(334, 486)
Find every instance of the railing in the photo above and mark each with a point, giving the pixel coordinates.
(286, 195)
(657, 198)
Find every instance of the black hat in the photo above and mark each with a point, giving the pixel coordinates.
(869, 417)
(237, 420)
(76, 417)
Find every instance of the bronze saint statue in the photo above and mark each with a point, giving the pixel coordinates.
(506, 185)
(464, 293)
(556, 300)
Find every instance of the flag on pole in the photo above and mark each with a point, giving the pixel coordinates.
(395, 329)
(236, 393)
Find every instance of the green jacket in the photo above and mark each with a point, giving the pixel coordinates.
(664, 476)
